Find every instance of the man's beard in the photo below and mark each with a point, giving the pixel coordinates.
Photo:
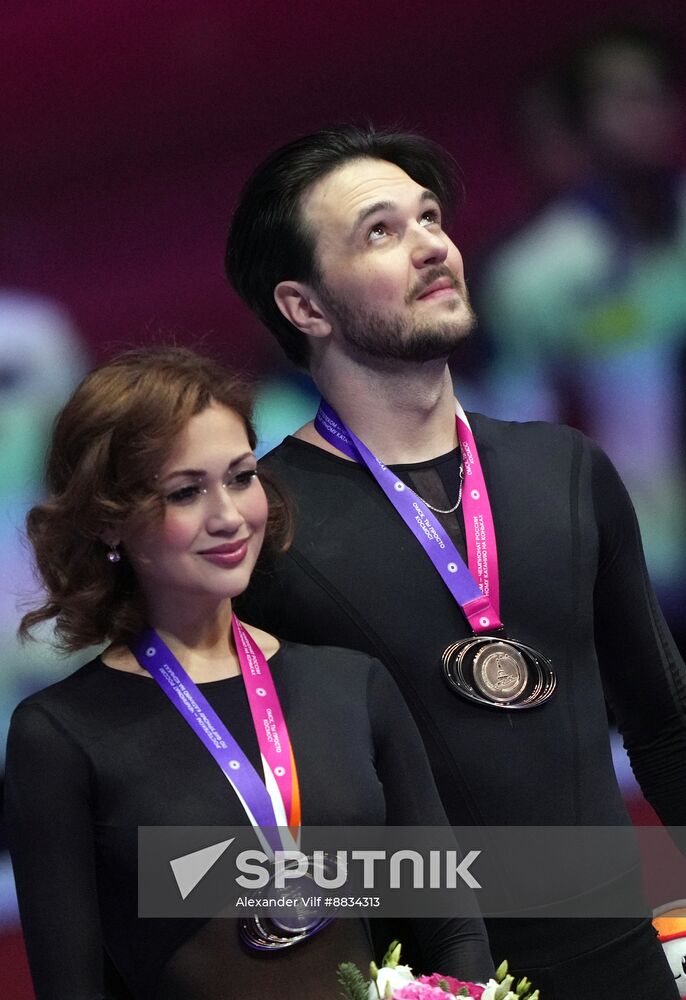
(402, 338)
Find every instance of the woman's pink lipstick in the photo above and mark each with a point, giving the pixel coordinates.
(230, 554)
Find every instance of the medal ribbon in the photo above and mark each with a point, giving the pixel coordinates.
(274, 802)
(475, 588)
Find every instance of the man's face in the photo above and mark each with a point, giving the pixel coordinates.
(391, 281)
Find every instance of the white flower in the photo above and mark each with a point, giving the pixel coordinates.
(490, 991)
(398, 977)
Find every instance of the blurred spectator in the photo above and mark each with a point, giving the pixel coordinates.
(41, 359)
(283, 403)
(546, 142)
(586, 304)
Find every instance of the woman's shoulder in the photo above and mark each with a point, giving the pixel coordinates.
(341, 664)
(82, 697)
(331, 679)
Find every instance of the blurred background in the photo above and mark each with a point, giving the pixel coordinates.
(129, 128)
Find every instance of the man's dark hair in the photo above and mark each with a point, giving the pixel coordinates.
(268, 241)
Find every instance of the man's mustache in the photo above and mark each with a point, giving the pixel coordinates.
(440, 271)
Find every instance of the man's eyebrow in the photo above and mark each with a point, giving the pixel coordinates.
(378, 206)
(388, 206)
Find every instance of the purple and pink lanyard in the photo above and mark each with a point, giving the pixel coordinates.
(475, 588)
(272, 805)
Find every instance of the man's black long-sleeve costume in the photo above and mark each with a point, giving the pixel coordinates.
(573, 584)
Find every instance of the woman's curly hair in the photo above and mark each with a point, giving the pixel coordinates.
(114, 433)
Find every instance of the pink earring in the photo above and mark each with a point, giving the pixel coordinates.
(113, 555)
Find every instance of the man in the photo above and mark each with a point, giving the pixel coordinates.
(339, 244)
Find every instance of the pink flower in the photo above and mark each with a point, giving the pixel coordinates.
(453, 985)
(437, 987)
(419, 991)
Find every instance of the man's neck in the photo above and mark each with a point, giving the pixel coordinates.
(403, 413)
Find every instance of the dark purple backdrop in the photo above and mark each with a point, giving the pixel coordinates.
(129, 127)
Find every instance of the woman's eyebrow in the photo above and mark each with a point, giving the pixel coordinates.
(191, 473)
(198, 473)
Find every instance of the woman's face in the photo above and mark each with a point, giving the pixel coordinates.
(206, 546)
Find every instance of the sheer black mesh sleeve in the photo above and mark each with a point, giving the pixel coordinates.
(643, 674)
(47, 806)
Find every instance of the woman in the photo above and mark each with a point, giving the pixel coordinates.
(154, 520)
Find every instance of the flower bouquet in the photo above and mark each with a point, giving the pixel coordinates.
(394, 981)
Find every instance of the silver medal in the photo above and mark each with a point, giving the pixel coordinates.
(499, 673)
(284, 927)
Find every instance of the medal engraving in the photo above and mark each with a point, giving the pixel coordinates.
(498, 673)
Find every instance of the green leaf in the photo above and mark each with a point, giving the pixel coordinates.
(354, 984)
